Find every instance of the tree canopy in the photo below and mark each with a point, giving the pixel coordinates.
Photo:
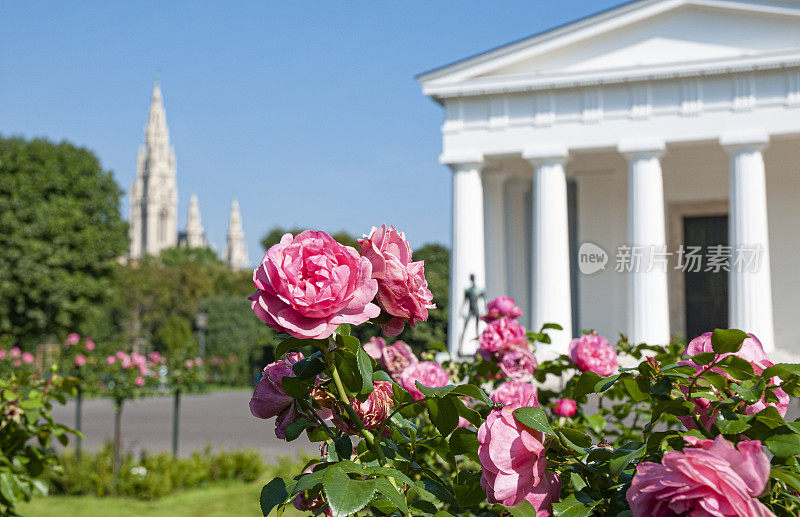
(60, 236)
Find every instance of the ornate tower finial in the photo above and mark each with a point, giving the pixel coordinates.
(235, 254)
(195, 236)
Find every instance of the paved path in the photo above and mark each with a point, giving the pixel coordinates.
(221, 419)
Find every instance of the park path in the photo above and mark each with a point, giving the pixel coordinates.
(221, 420)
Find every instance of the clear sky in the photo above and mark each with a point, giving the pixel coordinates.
(307, 112)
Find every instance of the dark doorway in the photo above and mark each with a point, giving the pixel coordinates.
(706, 291)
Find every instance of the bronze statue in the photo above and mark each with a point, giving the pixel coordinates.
(472, 296)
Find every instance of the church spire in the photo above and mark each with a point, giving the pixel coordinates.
(235, 254)
(195, 236)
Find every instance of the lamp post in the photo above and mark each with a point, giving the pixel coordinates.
(201, 322)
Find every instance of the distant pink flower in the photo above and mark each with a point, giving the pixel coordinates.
(138, 359)
(593, 353)
(428, 373)
(402, 288)
(72, 339)
(514, 392)
(565, 407)
(502, 307)
(2, 353)
(374, 347)
(111, 360)
(142, 369)
(155, 357)
(15, 352)
(139, 381)
(198, 361)
(17, 363)
(501, 334)
(89, 344)
(80, 360)
(27, 357)
(710, 478)
(126, 361)
(188, 363)
(397, 357)
(518, 364)
(120, 354)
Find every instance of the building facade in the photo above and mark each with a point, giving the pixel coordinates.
(591, 162)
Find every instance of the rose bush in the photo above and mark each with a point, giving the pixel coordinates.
(594, 431)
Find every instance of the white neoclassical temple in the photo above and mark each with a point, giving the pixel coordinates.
(663, 134)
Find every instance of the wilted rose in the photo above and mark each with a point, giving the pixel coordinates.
(372, 412)
(518, 363)
(397, 357)
(269, 400)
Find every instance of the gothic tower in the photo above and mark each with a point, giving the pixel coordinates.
(154, 194)
(235, 254)
(195, 236)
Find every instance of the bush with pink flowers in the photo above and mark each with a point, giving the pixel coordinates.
(601, 429)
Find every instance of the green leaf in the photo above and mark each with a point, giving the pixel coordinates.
(735, 425)
(273, 494)
(344, 447)
(523, 509)
(784, 442)
(343, 329)
(749, 392)
(345, 495)
(792, 479)
(553, 326)
(586, 384)
(365, 369)
(464, 442)
(620, 458)
(347, 365)
(295, 387)
(443, 413)
(572, 507)
(439, 347)
(534, 418)
(434, 392)
(467, 488)
(297, 427)
(606, 382)
(727, 341)
(638, 388)
(293, 342)
(736, 367)
(309, 367)
(574, 439)
(472, 391)
(703, 358)
(597, 422)
(385, 487)
(349, 342)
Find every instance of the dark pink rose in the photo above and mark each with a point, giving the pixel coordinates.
(428, 373)
(80, 360)
(712, 478)
(27, 357)
(518, 363)
(565, 407)
(514, 466)
(374, 347)
(593, 353)
(397, 357)
(310, 284)
(269, 399)
(522, 394)
(500, 334)
(402, 289)
(283, 419)
(502, 307)
(752, 351)
(89, 344)
(372, 412)
(15, 352)
(111, 360)
(72, 339)
(139, 381)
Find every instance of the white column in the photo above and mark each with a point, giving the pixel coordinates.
(750, 289)
(551, 295)
(519, 250)
(467, 255)
(495, 227)
(648, 302)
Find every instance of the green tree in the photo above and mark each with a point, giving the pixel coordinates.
(274, 237)
(60, 236)
(174, 337)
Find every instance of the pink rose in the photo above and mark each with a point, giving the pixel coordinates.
(188, 363)
(15, 352)
(593, 353)
(142, 369)
(310, 284)
(513, 461)
(111, 360)
(518, 364)
(502, 307)
(198, 361)
(17, 363)
(374, 347)
(80, 360)
(402, 289)
(752, 351)
(126, 361)
(2, 353)
(522, 394)
(89, 344)
(501, 334)
(138, 359)
(397, 357)
(72, 339)
(712, 478)
(372, 412)
(305, 503)
(139, 381)
(155, 357)
(428, 373)
(27, 358)
(269, 400)
(565, 407)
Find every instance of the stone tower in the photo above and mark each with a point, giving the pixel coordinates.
(195, 236)
(154, 194)
(235, 254)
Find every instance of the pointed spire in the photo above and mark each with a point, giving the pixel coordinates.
(195, 236)
(235, 249)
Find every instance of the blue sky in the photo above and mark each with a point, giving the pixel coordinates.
(308, 112)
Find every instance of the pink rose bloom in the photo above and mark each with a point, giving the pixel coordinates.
(188, 363)
(2, 353)
(80, 360)
(521, 394)
(111, 360)
(89, 344)
(139, 381)
(27, 358)
(428, 373)
(565, 407)
(402, 289)
(310, 284)
(502, 307)
(712, 478)
(155, 357)
(518, 364)
(120, 354)
(752, 351)
(269, 399)
(513, 461)
(142, 369)
(372, 412)
(198, 361)
(501, 334)
(15, 352)
(397, 357)
(138, 359)
(72, 339)
(374, 347)
(126, 361)
(593, 353)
